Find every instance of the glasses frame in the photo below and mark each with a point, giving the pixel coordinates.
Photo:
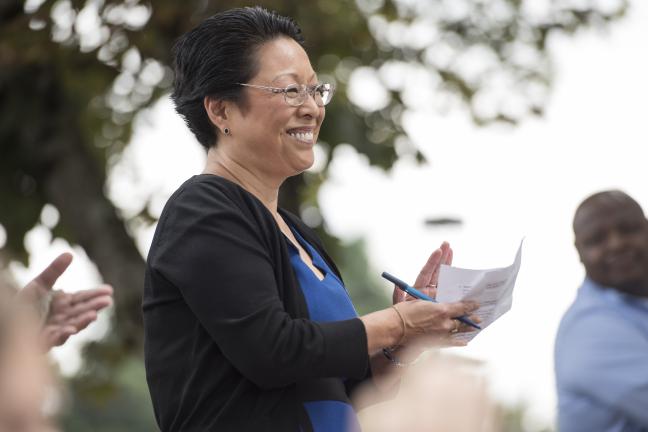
(303, 89)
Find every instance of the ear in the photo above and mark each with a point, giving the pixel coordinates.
(577, 246)
(217, 111)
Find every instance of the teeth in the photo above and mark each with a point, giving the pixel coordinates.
(302, 136)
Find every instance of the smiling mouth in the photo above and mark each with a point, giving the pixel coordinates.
(623, 261)
(305, 136)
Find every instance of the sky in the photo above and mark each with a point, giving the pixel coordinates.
(504, 183)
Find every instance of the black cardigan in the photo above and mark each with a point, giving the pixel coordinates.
(228, 342)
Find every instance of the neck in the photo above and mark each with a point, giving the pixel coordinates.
(637, 288)
(263, 188)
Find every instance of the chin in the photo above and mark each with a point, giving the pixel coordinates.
(304, 163)
(301, 170)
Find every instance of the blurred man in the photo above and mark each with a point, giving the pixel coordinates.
(601, 356)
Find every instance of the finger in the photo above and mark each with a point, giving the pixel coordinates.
(475, 318)
(425, 275)
(59, 307)
(456, 342)
(65, 311)
(445, 247)
(49, 335)
(84, 320)
(460, 308)
(60, 298)
(65, 334)
(446, 252)
(56, 335)
(95, 304)
(398, 295)
(85, 295)
(465, 328)
(48, 277)
(448, 260)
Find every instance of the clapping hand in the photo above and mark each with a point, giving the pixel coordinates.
(65, 313)
(428, 277)
(426, 282)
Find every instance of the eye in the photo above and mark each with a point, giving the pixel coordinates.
(629, 227)
(321, 89)
(292, 91)
(594, 239)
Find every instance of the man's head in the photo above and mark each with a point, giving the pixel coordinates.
(611, 236)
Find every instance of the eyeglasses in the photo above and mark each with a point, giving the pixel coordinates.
(296, 94)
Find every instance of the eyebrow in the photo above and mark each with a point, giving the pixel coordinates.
(293, 75)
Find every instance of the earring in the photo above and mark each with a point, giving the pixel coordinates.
(226, 131)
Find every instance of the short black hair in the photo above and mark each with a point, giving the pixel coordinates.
(611, 199)
(212, 58)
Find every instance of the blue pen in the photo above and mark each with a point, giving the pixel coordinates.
(419, 295)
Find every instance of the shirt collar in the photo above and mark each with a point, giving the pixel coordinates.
(612, 294)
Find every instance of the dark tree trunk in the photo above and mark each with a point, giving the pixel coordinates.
(75, 185)
(59, 159)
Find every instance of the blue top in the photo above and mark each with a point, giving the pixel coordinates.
(602, 362)
(327, 300)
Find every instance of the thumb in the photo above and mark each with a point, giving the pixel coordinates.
(460, 308)
(53, 271)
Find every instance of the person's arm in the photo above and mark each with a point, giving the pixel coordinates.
(386, 372)
(606, 358)
(65, 314)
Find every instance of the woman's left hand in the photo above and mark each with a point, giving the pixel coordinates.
(427, 279)
(426, 282)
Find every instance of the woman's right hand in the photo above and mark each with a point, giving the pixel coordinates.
(432, 324)
(417, 322)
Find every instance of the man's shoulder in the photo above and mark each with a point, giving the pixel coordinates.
(588, 302)
(590, 315)
(595, 323)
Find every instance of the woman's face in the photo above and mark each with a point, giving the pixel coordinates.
(270, 136)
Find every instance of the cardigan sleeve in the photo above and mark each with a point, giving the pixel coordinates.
(219, 261)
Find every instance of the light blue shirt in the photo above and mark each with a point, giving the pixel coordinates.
(601, 362)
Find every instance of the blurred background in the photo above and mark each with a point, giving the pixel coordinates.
(480, 122)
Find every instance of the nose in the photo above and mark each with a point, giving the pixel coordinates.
(310, 107)
(615, 240)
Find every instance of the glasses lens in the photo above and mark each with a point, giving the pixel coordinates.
(323, 94)
(294, 96)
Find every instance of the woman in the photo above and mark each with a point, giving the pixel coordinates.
(247, 323)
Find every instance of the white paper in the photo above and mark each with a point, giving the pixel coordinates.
(491, 288)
